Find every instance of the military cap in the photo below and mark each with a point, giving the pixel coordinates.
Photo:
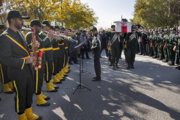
(46, 23)
(94, 29)
(2, 26)
(112, 26)
(35, 22)
(15, 14)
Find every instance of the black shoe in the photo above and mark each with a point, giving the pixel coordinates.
(97, 79)
(47, 98)
(40, 118)
(55, 90)
(44, 105)
(110, 64)
(128, 68)
(0, 99)
(56, 87)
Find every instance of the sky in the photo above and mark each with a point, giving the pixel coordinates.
(109, 11)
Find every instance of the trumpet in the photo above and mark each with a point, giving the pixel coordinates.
(61, 36)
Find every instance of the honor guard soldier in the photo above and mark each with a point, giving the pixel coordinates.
(15, 55)
(38, 73)
(165, 41)
(131, 48)
(171, 44)
(96, 49)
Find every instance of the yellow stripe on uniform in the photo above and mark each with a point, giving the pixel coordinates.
(47, 71)
(23, 64)
(2, 74)
(17, 97)
(17, 43)
(36, 81)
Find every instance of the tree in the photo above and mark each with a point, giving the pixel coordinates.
(156, 13)
(71, 12)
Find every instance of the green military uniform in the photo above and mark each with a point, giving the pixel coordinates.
(131, 49)
(165, 41)
(155, 51)
(170, 46)
(160, 46)
(115, 49)
(179, 47)
(96, 48)
(151, 44)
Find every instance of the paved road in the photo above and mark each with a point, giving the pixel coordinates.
(149, 92)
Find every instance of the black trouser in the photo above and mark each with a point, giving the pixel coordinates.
(24, 87)
(73, 56)
(56, 62)
(48, 71)
(97, 64)
(38, 76)
(84, 50)
(4, 74)
(130, 54)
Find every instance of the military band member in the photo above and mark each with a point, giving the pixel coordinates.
(15, 55)
(48, 51)
(38, 73)
(96, 49)
(165, 40)
(7, 84)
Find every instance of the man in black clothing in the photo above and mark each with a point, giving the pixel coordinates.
(15, 55)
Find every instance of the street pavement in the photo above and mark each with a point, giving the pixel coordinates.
(149, 92)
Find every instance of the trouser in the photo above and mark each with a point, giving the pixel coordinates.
(171, 54)
(4, 74)
(73, 56)
(155, 51)
(97, 64)
(151, 51)
(130, 54)
(38, 76)
(165, 53)
(24, 87)
(48, 71)
(160, 52)
(115, 51)
(84, 51)
(56, 65)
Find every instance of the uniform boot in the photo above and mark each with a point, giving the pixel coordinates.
(45, 97)
(30, 115)
(54, 86)
(50, 88)
(22, 117)
(7, 88)
(56, 80)
(40, 101)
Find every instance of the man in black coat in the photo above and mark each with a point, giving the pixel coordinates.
(15, 55)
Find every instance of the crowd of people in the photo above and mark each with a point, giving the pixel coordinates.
(42, 52)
